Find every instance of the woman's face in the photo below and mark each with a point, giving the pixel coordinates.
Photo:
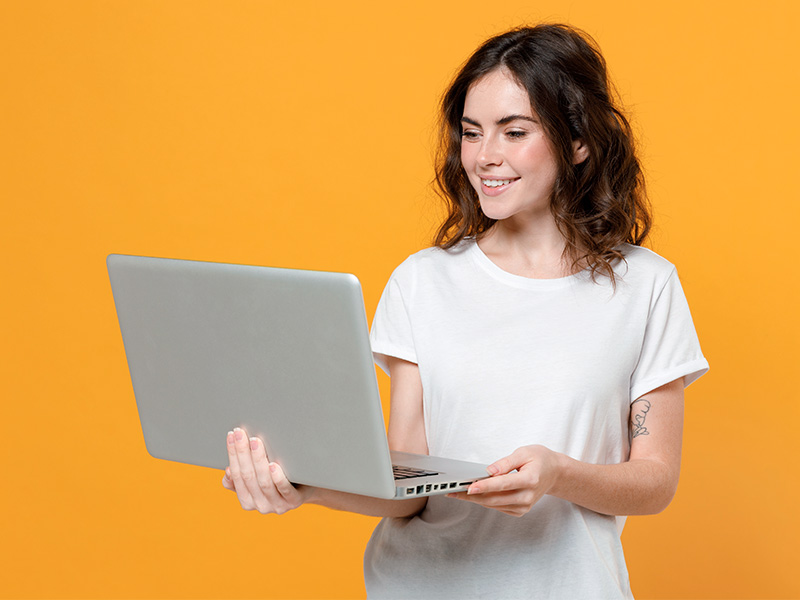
(504, 150)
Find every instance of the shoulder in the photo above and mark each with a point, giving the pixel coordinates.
(642, 262)
(434, 260)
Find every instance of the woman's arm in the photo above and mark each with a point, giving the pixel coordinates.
(645, 484)
(262, 485)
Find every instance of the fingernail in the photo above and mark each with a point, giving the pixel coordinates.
(239, 434)
(473, 490)
(253, 443)
(272, 467)
(229, 437)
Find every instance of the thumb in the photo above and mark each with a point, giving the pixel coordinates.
(506, 464)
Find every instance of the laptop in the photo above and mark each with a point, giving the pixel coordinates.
(282, 353)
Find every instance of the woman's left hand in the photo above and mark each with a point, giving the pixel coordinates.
(515, 492)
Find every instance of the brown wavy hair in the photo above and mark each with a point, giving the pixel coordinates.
(597, 204)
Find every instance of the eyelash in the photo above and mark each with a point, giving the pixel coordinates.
(514, 135)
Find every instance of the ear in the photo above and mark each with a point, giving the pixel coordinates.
(580, 152)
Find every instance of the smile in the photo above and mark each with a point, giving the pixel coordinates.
(495, 183)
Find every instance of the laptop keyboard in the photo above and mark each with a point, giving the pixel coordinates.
(401, 472)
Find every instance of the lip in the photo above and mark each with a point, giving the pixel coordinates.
(496, 191)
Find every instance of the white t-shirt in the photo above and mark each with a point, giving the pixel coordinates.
(507, 361)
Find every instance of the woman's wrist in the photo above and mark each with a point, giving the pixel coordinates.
(562, 466)
(309, 494)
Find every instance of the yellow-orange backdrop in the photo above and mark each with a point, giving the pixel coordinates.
(299, 134)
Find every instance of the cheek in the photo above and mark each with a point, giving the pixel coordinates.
(537, 158)
(466, 161)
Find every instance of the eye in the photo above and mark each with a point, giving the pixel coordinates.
(516, 134)
(470, 135)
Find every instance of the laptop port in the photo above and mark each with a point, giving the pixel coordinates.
(428, 488)
(452, 485)
(419, 489)
(410, 490)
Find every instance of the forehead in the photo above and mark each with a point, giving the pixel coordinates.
(497, 93)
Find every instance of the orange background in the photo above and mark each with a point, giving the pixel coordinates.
(299, 134)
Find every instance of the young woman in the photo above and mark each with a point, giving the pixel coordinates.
(537, 335)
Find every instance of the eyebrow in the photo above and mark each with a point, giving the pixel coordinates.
(504, 121)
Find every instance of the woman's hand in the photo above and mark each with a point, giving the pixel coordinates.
(259, 484)
(515, 492)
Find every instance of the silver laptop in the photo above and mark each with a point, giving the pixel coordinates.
(284, 354)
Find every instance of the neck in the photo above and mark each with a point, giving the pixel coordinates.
(535, 251)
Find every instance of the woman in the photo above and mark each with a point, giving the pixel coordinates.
(537, 336)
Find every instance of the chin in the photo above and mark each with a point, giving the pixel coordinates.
(501, 211)
(497, 213)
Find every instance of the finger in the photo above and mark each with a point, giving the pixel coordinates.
(290, 493)
(493, 500)
(498, 483)
(458, 495)
(264, 476)
(227, 482)
(247, 469)
(514, 502)
(236, 474)
(508, 463)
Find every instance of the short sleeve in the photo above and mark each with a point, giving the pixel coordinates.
(670, 348)
(391, 333)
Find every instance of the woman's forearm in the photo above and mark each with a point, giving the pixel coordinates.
(636, 487)
(644, 484)
(518, 481)
(365, 505)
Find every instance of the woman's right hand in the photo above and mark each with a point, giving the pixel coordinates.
(259, 484)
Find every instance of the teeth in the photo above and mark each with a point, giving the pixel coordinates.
(495, 182)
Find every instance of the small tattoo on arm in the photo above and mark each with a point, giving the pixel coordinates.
(639, 410)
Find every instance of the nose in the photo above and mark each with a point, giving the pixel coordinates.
(489, 154)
